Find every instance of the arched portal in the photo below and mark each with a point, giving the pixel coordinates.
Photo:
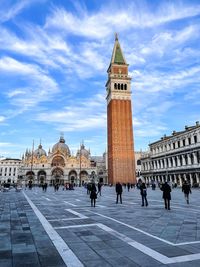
(84, 176)
(57, 176)
(58, 161)
(41, 177)
(72, 177)
(30, 175)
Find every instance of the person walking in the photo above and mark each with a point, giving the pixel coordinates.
(99, 188)
(143, 192)
(128, 186)
(93, 195)
(166, 194)
(118, 189)
(186, 189)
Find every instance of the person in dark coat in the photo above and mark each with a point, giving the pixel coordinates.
(166, 194)
(93, 195)
(143, 192)
(128, 186)
(186, 189)
(118, 189)
(99, 188)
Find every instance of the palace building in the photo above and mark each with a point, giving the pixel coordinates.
(60, 166)
(121, 157)
(174, 158)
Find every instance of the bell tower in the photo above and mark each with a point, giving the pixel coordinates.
(121, 157)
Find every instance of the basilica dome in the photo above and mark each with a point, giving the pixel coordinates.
(39, 152)
(62, 147)
(84, 152)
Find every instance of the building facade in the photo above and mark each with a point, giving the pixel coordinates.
(174, 158)
(9, 170)
(59, 166)
(121, 158)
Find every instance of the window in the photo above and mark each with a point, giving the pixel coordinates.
(178, 143)
(195, 139)
(183, 142)
(115, 86)
(189, 141)
(174, 145)
(118, 86)
(122, 87)
(125, 87)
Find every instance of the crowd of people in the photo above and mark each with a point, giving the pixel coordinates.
(93, 191)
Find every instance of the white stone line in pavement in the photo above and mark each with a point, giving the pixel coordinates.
(65, 219)
(81, 216)
(70, 204)
(75, 226)
(132, 227)
(143, 232)
(144, 249)
(47, 198)
(65, 252)
(77, 199)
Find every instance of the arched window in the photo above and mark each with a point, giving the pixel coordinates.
(115, 86)
(138, 162)
(125, 86)
(122, 86)
(192, 158)
(118, 86)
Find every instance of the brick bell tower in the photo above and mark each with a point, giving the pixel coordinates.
(121, 156)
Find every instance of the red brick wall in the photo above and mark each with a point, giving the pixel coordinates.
(121, 158)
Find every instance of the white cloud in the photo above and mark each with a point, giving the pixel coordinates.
(8, 12)
(88, 114)
(2, 119)
(41, 87)
(106, 21)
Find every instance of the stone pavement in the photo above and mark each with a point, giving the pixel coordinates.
(57, 229)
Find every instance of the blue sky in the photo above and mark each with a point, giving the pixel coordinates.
(53, 61)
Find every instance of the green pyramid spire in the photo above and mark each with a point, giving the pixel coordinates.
(117, 55)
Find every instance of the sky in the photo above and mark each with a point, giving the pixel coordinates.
(54, 56)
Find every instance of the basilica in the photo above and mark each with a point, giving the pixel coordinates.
(60, 166)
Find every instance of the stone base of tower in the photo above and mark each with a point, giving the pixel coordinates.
(121, 158)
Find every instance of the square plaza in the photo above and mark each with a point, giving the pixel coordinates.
(60, 229)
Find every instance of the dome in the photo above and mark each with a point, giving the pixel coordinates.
(39, 152)
(61, 146)
(84, 152)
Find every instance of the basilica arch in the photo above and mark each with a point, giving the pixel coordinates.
(57, 176)
(84, 176)
(41, 176)
(73, 177)
(30, 175)
(58, 161)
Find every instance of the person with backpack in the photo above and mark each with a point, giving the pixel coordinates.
(143, 193)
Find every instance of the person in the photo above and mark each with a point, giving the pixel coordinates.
(99, 188)
(88, 188)
(128, 186)
(143, 192)
(166, 194)
(45, 186)
(186, 189)
(93, 194)
(118, 189)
